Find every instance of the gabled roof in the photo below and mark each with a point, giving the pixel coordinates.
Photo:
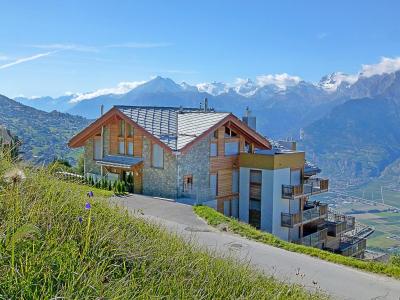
(174, 128)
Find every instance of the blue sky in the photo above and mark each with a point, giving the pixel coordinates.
(51, 47)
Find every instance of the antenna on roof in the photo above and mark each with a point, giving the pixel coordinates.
(205, 104)
(101, 110)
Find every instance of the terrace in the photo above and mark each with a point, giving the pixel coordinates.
(312, 186)
(314, 239)
(311, 212)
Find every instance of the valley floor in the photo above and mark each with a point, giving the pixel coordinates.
(338, 281)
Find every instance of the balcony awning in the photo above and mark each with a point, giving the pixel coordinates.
(119, 161)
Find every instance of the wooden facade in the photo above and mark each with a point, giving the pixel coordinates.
(224, 165)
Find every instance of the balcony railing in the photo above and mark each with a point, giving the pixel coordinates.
(309, 187)
(310, 213)
(352, 247)
(339, 223)
(314, 239)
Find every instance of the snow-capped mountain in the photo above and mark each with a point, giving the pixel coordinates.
(331, 82)
(213, 88)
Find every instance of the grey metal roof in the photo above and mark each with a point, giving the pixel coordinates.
(119, 161)
(174, 126)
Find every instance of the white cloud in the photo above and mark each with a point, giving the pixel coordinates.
(121, 88)
(139, 45)
(26, 59)
(386, 65)
(74, 47)
(3, 57)
(280, 80)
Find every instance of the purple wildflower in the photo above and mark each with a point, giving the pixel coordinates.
(88, 206)
(91, 194)
(80, 220)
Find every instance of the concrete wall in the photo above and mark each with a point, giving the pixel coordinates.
(244, 194)
(156, 181)
(272, 204)
(267, 203)
(281, 176)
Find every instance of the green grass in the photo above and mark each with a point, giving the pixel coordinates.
(215, 218)
(46, 253)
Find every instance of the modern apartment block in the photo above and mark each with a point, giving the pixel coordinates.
(200, 156)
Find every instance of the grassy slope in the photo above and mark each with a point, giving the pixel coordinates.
(215, 218)
(45, 252)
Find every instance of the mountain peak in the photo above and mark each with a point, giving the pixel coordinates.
(331, 82)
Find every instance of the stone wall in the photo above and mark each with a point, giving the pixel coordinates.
(196, 162)
(106, 140)
(90, 164)
(156, 181)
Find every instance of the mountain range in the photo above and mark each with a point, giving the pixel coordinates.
(350, 122)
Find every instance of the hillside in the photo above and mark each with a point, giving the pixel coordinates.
(55, 243)
(357, 139)
(44, 135)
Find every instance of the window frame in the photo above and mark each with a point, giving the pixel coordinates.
(152, 156)
(216, 149)
(229, 141)
(188, 183)
(97, 139)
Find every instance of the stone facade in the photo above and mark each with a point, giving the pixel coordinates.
(196, 162)
(159, 182)
(90, 164)
(165, 182)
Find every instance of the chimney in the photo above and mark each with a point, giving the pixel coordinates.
(250, 120)
(205, 104)
(101, 110)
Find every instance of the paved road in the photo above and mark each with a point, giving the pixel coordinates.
(338, 281)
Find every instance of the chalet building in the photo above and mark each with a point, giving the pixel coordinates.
(203, 156)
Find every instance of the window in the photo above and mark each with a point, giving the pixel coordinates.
(214, 184)
(122, 128)
(215, 134)
(157, 156)
(121, 146)
(130, 130)
(248, 148)
(229, 133)
(213, 149)
(295, 177)
(187, 183)
(255, 176)
(130, 148)
(235, 181)
(97, 153)
(231, 148)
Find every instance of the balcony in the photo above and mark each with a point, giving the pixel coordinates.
(310, 187)
(314, 239)
(352, 246)
(310, 213)
(338, 223)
